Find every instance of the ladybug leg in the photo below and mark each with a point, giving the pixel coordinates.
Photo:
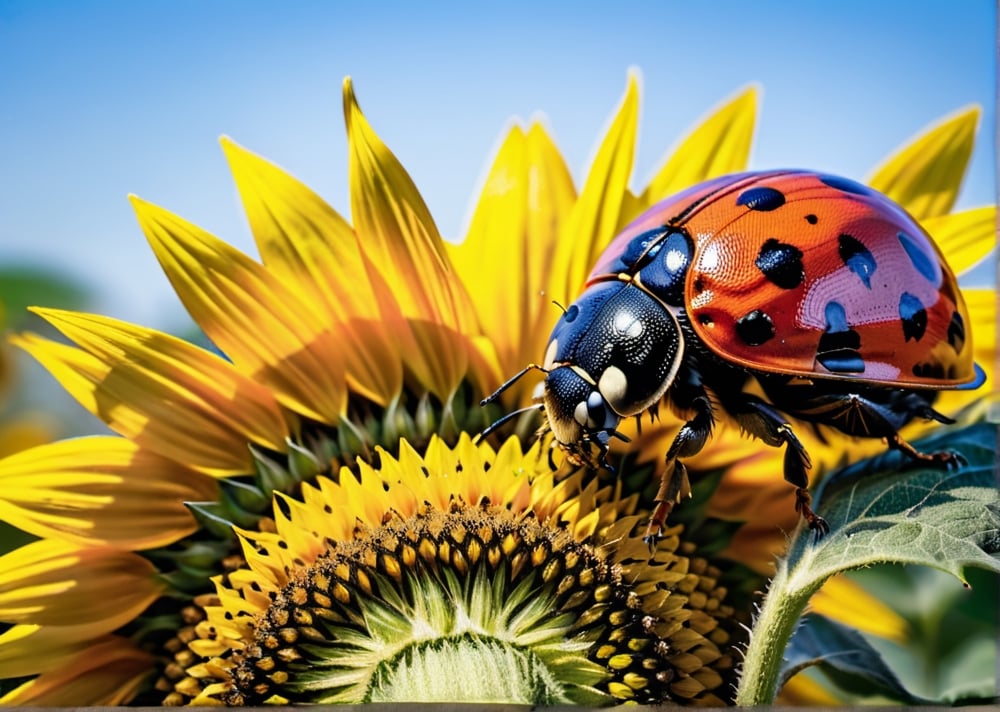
(943, 458)
(880, 414)
(687, 393)
(763, 421)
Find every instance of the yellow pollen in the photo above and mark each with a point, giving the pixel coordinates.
(428, 552)
(363, 581)
(539, 555)
(622, 692)
(605, 651)
(636, 682)
(390, 564)
(620, 661)
(341, 593)
(323, 601)
(459, 562)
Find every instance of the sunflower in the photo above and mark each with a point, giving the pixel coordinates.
(346, 345)
(172, 560)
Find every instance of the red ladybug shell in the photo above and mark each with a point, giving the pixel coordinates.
(811, 275)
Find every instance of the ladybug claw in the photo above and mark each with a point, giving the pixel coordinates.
(654, 530)
(953, 460)
(651, 539)
(819, 526)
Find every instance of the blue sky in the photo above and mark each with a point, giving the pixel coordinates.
(99, 99)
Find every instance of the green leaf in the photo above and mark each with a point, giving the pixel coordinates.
(891, 509)
(950, 652)
(888, 509)
(845, 657)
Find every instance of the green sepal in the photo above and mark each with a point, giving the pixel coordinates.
(247, 497)
(303, 464)
(211, 517)
(271, 476)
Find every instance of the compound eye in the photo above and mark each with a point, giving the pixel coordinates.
(599, 415)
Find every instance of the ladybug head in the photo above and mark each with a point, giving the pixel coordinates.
(578, 414)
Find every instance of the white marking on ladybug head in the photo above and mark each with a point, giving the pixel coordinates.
(613, 385)
(550, 354)
(580, 414)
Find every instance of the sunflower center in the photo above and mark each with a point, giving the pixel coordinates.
(467, 668)
(419, 609)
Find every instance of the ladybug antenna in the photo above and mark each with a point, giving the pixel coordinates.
(510, 382)
(561, 307)
(497, 423)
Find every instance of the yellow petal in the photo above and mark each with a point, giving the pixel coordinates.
(52, 582)
(257, 321)
(101, 490)
(108, 672)
(846, 601)
(305, 242)
(30, 649)
(165, 394)
(924, 176)
(965, 238)
(802, 690)
(719, 144)
(596, 216)
(505, 257)
(400, 238)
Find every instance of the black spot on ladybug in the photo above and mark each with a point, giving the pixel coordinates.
(933, 371)
(838, 346)
(956, 332)
(699, 284)
(845, 184)
(812, 219)
(764, 199)
(913, 315)
(755, 328)
(781, 263)
(858, 258)
(921, 262)
(705, 320)
(572, 313)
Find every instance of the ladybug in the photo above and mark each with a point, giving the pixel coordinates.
(822, 290)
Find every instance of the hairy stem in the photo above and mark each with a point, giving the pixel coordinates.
(772, 629)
